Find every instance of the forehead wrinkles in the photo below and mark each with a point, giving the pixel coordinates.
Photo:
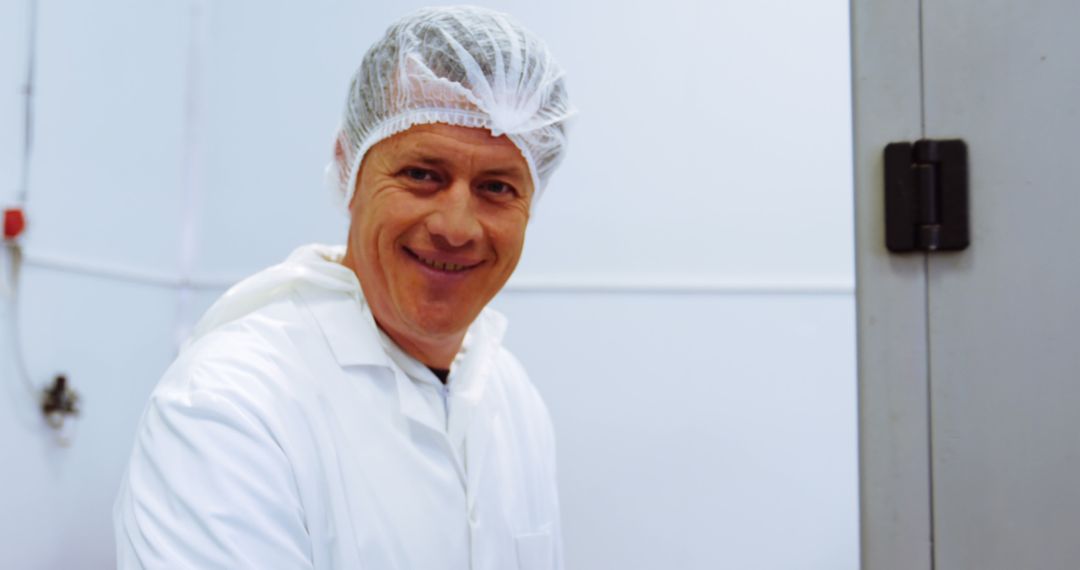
(474, 153)
(478, 142)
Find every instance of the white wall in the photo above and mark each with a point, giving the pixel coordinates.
(684, 303)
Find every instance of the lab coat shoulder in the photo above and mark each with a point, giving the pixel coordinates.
(209, 484)
(251, 359)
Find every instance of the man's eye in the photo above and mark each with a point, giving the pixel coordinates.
(419, 174)
(498, 188)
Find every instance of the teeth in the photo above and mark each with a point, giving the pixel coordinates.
(443, 266)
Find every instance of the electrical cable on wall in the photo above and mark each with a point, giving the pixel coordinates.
(14, 223)
(59, 403)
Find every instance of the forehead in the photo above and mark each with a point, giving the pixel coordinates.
(450, 142)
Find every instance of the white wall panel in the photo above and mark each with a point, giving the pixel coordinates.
(698, 431)
(107, 169)
(713, 140)
(274, 75)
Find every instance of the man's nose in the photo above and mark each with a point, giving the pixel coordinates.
(454, 223)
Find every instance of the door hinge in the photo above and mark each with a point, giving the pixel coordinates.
(926, 196)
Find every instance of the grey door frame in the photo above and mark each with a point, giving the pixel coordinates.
(891, 298)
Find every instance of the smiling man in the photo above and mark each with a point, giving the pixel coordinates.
(353, 407)
(438, 226)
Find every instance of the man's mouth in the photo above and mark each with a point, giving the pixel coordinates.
(441, 265)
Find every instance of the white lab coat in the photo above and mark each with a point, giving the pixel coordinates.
(292, 434)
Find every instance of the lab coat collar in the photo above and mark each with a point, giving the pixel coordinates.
(349, 329)
(347, 325)
(481, 346)
(333, 295)
(471, 375)
(468, 382)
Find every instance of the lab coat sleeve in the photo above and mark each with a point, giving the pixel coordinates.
(208, 487)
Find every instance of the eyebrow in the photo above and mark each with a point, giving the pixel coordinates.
(428, 160)
(511, 172)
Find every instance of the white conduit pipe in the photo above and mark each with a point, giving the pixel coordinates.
(677, 285)
(524, 284)
(120, 273)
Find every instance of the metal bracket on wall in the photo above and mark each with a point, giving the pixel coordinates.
(926, 196)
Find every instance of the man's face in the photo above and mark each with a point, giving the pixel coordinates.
(438, 225)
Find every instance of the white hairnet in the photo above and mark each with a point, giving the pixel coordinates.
(464, 66)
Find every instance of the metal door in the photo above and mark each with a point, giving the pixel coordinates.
(970, 361)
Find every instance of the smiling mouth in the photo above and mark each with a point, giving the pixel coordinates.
(439, 265)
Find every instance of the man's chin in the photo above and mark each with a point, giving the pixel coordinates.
(441, 323)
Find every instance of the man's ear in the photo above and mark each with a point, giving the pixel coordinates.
(343, 169)
(339, 153)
